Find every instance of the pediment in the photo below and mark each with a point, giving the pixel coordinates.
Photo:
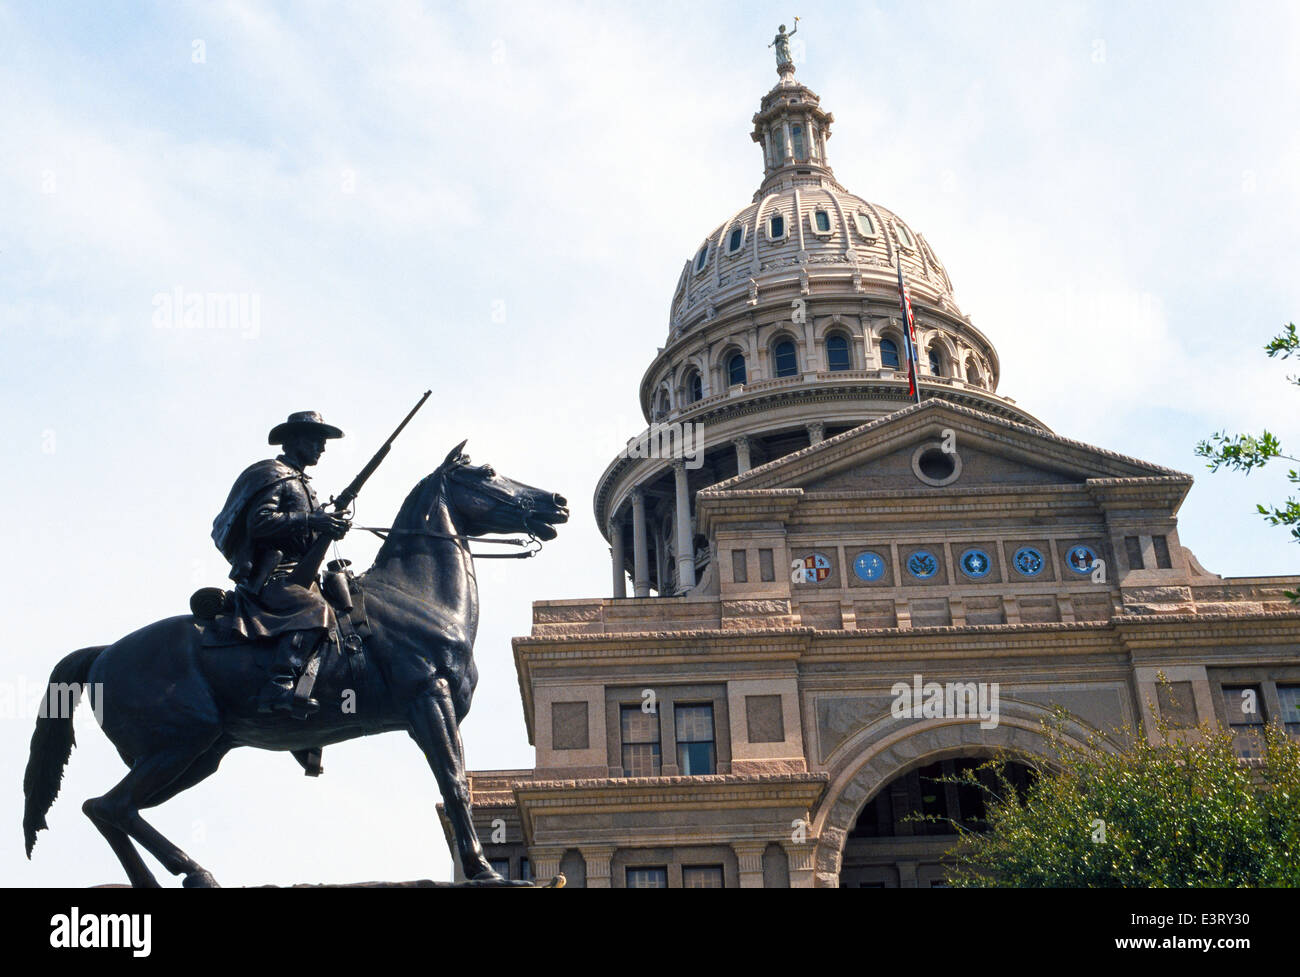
(987, 451)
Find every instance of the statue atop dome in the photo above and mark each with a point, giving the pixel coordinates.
(784, 63)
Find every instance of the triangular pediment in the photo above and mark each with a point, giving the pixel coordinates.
(898, 452)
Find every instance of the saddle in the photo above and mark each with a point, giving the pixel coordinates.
(344, 594)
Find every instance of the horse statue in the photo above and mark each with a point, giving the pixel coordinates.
(174, 707)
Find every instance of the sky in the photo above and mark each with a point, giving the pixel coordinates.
(494, 200)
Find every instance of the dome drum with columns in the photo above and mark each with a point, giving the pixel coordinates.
(784, 330)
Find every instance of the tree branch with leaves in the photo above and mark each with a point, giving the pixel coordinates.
(1246, 452)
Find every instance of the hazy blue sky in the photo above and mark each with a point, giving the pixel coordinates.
(495, 200)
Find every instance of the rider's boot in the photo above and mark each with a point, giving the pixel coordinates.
(278, 693)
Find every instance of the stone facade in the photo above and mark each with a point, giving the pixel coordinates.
(837, 543)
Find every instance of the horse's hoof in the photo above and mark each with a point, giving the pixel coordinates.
(202, 879)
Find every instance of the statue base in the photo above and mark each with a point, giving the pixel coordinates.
(557, 882)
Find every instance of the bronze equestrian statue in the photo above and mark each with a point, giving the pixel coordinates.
(174, 703)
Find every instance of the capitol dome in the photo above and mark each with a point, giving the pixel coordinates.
(783, 330)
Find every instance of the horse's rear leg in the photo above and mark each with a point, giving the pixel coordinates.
(137, 873)
(147, 783)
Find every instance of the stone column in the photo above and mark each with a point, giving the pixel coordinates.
(597, 858)
(800, 854)
(545, 862)
(685, 540)
(640, 554)
(618, 556)
(743, 464)
(816, 433)
(749, 854)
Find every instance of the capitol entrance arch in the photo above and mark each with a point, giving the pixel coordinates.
(867, 830)
(894, 844)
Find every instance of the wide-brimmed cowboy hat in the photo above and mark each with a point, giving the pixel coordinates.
(304, 422)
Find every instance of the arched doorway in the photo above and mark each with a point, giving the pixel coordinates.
(887, 847)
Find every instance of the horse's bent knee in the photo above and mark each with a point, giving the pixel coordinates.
(101, 809)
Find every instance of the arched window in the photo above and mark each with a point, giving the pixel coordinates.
(776, 227)
(796, 137)
(694, 387)
(733, 243)
(936, 361)
(701, 258)
(661, 405)
(889, 354)
(837, 353)
(787, 362)
(736, 369)
(973, 373)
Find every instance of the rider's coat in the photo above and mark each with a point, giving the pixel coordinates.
(267, 512)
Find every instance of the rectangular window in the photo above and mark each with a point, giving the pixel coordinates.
(766, 568)
(525, 870)
(1133, 546)
(776, 227)
(701, 876)
(822, 220)
(640, 742)
(1290, 696)
(739, 570)
(1162, 552)
(501, 866)
(696, 752)
(1244, 707)
(647, 877)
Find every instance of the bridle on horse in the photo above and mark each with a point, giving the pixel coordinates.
(383, 532)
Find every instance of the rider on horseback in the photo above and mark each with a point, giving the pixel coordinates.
(269, 522)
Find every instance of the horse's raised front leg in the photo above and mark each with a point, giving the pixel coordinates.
(439, 740)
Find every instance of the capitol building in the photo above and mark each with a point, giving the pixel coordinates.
(813, 537)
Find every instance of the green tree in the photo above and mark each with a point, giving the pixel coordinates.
(1185, 812)
(1245, 452)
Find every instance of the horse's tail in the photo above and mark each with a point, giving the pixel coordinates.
(53, 740)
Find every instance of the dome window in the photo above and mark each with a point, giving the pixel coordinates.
(787, 362)
(796, 138)
(837, 353)
(736, 239)
(889, 354)
(661, 406)
(701, 258)
(905, 236)
(865, 226)
(694, 387)
(776, 227)
(973, 374)
(821, 222)
(736, 370)
(936, 363)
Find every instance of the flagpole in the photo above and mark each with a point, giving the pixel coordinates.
(909, 330)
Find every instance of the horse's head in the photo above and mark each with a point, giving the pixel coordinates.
(481, 501)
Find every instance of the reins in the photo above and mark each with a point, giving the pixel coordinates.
(383, 532)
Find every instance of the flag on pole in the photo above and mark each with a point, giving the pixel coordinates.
(909, 333)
